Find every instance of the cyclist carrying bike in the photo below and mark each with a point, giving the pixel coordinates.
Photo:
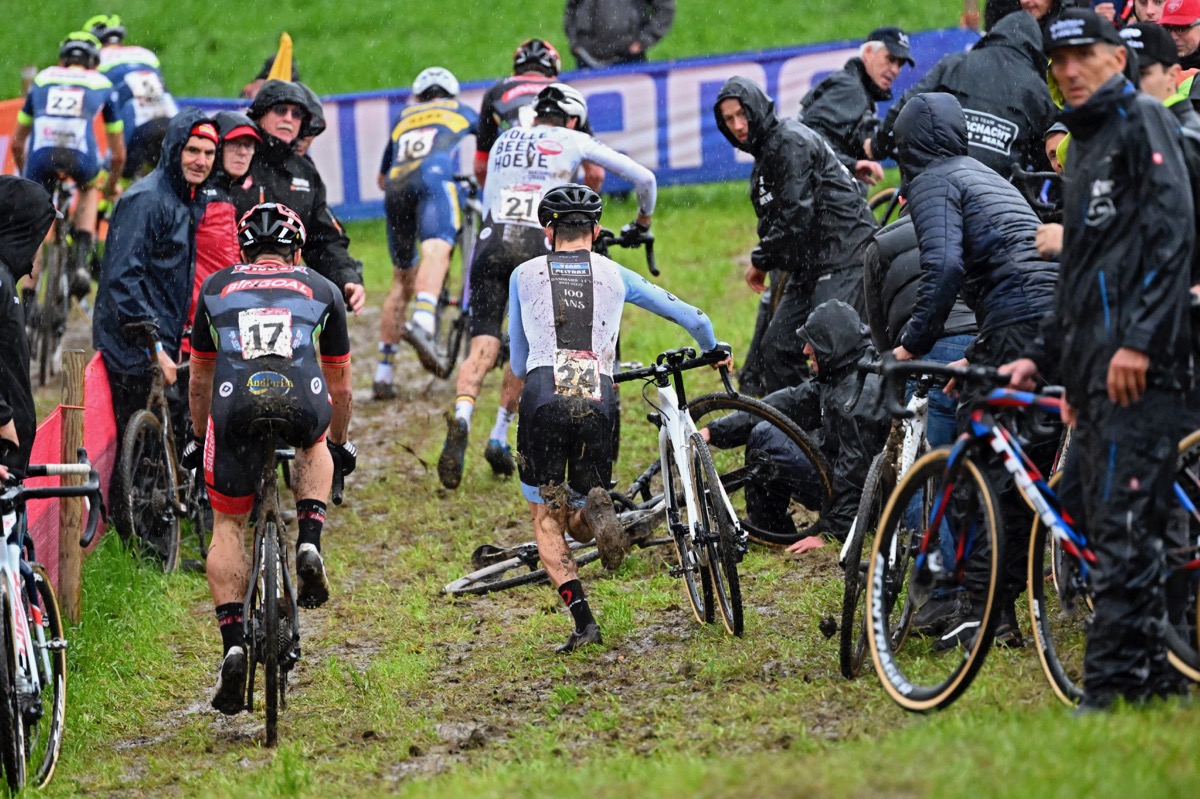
(58, 112)
(564, 318)
(422, 204)
(259, 327)
(524, 164)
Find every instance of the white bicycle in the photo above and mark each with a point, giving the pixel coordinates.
(711, 543)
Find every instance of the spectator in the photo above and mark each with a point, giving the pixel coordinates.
(842, 106)
(1181, 19)
(813, 224)
(250, 90)
(604, 32)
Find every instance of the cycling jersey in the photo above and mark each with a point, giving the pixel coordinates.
(508, 104)
(427, 134)
(139, 92)
(261, 325)
(60, 108)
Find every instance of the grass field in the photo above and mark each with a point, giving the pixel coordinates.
(402, 691)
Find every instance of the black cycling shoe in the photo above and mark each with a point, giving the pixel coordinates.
(230, 697)
(426, 346)
(454, 452)
(80, 282)
(611, 538)
(589, 635)
(1008, 632)
(499, 457)
(383, 391)
(961, 626)
(312, 590)
(932, 617)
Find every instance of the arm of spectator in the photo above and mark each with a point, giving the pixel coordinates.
(935, 205)
(662, 16)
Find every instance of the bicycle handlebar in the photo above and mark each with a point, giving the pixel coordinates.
(633, 238)
(338, 485)
(895, 373)
(680, 360)
(89, 490)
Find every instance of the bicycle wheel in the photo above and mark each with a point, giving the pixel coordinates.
(722, 542)
(199, 513)
(1183, 633)
(270, 628)
(12, 729)
(495, 577)
(853, 645)
(885, 205)
(936, 498)
(765, 449)
(44, 731)
(150, 490)
(691, 559)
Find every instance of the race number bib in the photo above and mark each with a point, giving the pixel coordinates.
(415, 144)
(65, 101)
(577, 374)
(146, 84)
(519, 205)
(70, 134)
(265, 331)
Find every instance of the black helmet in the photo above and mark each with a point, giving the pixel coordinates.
(270, 225)
(107, 28)
(81, 47)
(537, 54)
(274, 92)
(570, 203)
(315, 124)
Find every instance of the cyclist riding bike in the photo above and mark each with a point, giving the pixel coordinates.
(258, 328)
(421, 202)
(139, 91)
(509, 104)
(564, 319)
(58, 112)
(524, 164)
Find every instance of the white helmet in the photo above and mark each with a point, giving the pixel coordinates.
(562, 99)
(435, 77)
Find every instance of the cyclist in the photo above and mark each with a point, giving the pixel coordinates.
(564, 319)
(421, 202)
(139, 92)
(259, 326)
(58, 111)
(510, 104)
(524, 164)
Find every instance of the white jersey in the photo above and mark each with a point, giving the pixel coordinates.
(525, 163)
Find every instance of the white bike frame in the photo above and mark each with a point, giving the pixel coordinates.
(26, 678)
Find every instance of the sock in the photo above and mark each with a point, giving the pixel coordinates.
(383, 372)
(572, 596)
(464, 406)
(229, 619)
(423, 310)
(504, 418)
(310, 517)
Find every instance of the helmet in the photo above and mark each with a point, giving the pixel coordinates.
(315, 124)
(270, 224)
(537, 54)
(80, 46)
(570, 203)
(435, 78)
(107, 28)
(559, 98)
(274, 92)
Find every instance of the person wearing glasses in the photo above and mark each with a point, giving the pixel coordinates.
(1181, 19)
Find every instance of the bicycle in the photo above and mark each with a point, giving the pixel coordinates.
(1042, 190)
(33, 657)
(711, 544)
(886, 204)
(50, 300)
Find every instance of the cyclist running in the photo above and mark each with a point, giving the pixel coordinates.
(524, 164)
(421, 202)
(510, 104)
(260, 325)
(58, 111)
(139, 93)
(565, 316)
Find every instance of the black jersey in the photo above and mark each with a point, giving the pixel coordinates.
(509, 104)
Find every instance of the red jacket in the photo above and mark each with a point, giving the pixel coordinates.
(216, 246)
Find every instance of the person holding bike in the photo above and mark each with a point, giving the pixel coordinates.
(524, 165)
(58, 112)
(1118, 339)
(255, 355)
(564, 320)
(422, 204)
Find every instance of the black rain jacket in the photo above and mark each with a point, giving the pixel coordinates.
(1127, 245)
(812, 220)
(606, 28)
(842, 109)
(976, 230)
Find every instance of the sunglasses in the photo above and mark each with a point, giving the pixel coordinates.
(288, 110)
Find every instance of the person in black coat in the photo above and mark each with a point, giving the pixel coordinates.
(812, 224)
(604, 32)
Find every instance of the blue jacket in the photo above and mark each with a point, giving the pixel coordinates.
(150, 257)
(975, 229)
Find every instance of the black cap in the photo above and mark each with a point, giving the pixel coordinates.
(896, 42)
(1076, 27)
(1152, 43)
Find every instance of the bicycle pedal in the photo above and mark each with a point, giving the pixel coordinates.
(57, 644)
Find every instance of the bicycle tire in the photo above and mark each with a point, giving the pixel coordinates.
(45, 734)
(12, 728)
(853, 641)
(270, 649)
(721, 538)
(699, 594)
(150, 491)
(486, 580)
(1183, 650)
(200, 513)
(915, 682)
(707, 406)
(885, 200)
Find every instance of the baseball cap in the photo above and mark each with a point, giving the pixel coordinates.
(241, 131)
(205, 130)
(1076, 27)
(896, 42)
(1180, 13)
(1152, 44)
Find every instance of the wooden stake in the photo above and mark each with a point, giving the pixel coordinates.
(70, 511)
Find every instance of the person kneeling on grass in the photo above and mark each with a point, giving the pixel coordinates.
(564, 318)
